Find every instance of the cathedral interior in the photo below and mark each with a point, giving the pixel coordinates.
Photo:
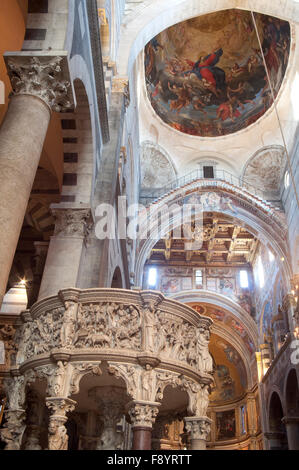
(149, 235)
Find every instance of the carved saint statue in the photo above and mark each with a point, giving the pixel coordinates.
(205, 361)
(202, 401)
(69, 322)
(149, 327)
(148, 383)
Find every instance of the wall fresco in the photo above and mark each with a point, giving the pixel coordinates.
(225, 425)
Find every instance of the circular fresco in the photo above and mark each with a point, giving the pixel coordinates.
(206, 76)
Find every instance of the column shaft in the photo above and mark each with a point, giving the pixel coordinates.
(292, 428)
(22, 136)
(142, 438)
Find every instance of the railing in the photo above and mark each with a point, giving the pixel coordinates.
(148, 196)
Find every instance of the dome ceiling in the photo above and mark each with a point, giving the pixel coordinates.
(206, 76)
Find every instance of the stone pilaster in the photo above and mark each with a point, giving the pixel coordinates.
(199, 429)
(38, 88)
(59, 407)
(252, 415)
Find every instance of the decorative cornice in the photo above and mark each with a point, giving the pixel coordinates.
(96, 51)
(42, 77)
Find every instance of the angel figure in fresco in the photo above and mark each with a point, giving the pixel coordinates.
(252, 62)
(183, 94)
(235, 71)
(228, 109)
(205, 69)
(240, 93)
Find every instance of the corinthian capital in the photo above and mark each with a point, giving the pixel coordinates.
(72, 222)
(43, 77)
(59, 407)
(198, 427)
(143, 413)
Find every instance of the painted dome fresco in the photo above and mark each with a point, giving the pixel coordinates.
(206, 76)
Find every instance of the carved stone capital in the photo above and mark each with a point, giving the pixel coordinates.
(42, 77)
(56, 377)
(121, 85)
(143, 414)
(198, 427)
(70, 222)
(13, 429)
(59, 407)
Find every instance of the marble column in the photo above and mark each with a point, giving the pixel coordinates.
(111, 403)
(199, 429)
(292, 427)
(37, 90)
(143, 415)
(59, 407)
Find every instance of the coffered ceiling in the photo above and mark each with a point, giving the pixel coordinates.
(223, 243)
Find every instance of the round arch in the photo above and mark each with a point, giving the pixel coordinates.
(153, 16)
(259, 217)
(291, 393)
(291, 396)
(278, 438)
(223, 302)
(224, 331)
(117, 279)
